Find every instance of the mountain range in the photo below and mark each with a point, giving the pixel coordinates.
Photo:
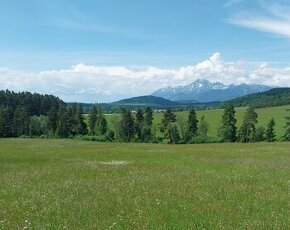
(203, 90)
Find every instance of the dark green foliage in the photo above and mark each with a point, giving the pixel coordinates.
(173, 134)
(247, 131)
(148, 117)
(35, 104)
(168, 118)
(260, 134)
(286, 136)
(269, 98)
(139, 124)
(63, 125)
(270, 131)
(93, 120)
(81, 128)
(127, 125)
(228, 129)
(101, 123)
(111, 135)
(191, 125)
(52, 119)
(21, 121)
(6, 122)
(203, 128)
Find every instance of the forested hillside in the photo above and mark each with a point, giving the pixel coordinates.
(270, 98)
(34, 104)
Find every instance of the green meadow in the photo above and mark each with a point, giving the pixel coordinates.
(213, 117)
(71, 184)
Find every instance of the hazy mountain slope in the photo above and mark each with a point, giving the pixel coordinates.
(205, 91)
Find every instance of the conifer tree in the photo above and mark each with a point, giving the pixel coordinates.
(192, 124)
(21, 121)
(127, 125)
(148, 122)
(139, 124)
(93, 120)
(101, 123)
(228, 129)
(168, 118)
(270, 131)
(247, 131)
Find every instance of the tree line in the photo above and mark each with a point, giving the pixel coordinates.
(35, 115)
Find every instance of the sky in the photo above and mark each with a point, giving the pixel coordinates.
(106, 50)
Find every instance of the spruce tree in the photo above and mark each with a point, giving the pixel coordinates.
(228, 129)
(21, 121)
(63, 126)
(52, 119)
(139, 124)
(270, 131)
(6, 122)
(127, 125)
(148, 122)
(173, 134)
(192, 124)
(168, 118)
(247, 131)
(81, 127)
(101, 123)
(93, 120)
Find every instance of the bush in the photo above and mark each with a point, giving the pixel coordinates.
(201, 140)
(101, 138)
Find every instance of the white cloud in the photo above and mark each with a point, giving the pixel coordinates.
(273, 19)
(88, 83)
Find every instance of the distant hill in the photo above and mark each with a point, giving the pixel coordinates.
(204, 91)
(269, 98)
(147, 101)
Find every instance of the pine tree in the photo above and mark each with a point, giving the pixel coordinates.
(203, 128)
(21, 121)
(93, 120)
(148, 122)
(63, 126)
(139, 124)
(52, 119)
(173, 134)
(270, 131)
(6, 122)
(247, 131)
(81, 128)
(228, 129)
(101, 123)
(148, 116)
(192, 124)
(127, 125)
(260, 134)
(168, 118)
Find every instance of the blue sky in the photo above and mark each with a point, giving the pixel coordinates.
(38, 36)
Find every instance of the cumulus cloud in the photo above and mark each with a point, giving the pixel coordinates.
(87, 83)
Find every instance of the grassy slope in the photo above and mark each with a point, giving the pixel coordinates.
(213, 117)
(55, 184)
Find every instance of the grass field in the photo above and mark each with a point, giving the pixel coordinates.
(69, 184)
(213, 117)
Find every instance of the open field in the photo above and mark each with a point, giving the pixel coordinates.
(56, 184)
(213, 117)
